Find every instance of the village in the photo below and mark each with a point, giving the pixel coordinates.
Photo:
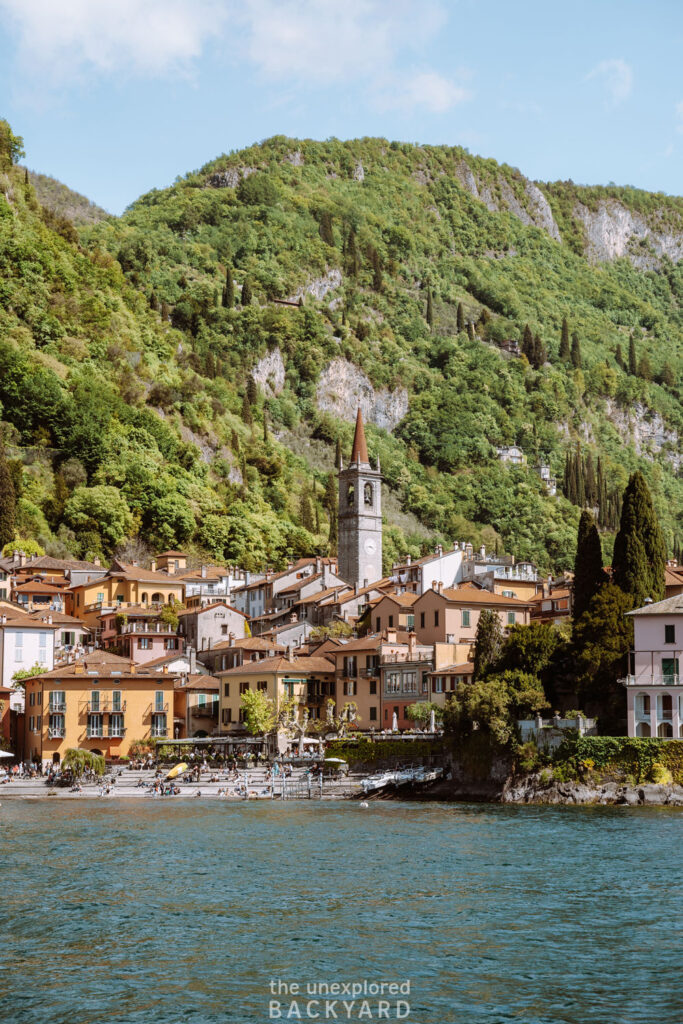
(125, 659)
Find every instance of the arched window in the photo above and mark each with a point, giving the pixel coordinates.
(157, 598)
(643, 729)
(642, 705)
(665, 730)
(350, 495)
(145, 598)
(368, 493)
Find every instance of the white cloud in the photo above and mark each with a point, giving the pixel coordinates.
(59, 38)
(295, 44)
(426, 89)
(616, 77)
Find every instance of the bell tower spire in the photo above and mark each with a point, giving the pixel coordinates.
(360, 515)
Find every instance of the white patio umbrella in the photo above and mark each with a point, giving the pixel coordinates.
(394, 723)
(6, 753)
(432, 721)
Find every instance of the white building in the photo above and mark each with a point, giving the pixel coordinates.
(654, 689)
(24, 642)
(512, 454)
(415, 576)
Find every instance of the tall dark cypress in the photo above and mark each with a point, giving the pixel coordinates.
(229, 290)
(246, 293)
(588, 572)
(460, 318)
(632, 357)
(619, 358)
(8, 502)
(528, 343)
(639, 557)
(576, 352)
(564, 342)
(429, 316)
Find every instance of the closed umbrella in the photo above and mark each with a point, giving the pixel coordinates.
(178, 770)
(394, 723)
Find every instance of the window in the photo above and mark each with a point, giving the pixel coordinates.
(422, 620)
(227, 716)
(19, 647)
(410, 623)
(170, 644)
(391, 621)
(116, 725)
(262, 685)
(159, 724)
(642, 705)
(244, 687)
(95, 701)
(410, 682)
(438, 684)
(350, 688)
(508, 593)
(393, 682)
(373, 714)
(350, 666)
(436, 618)
(42, 649)
(201, 700)
(57, 700)
(372, 663)
(669, 634)
(116, 700)
(226, 689)
(31, 723)
(68, 639)
(378, 624)
(367, 493)
(159, 700)
(288, 689)
(350, 495)
(511, 618)
(94, 726)
(224, 630)
(465, 617)
(373, 687)
(100, 598)
(144, 643)
(670, 671)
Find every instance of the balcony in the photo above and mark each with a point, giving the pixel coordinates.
(160, 628)
(95, 734)
(57, 707)
(115, 734)
(56, 732)
(652, 679)
(157, 709)
(159, 733)
(208, 710)
(104, 707)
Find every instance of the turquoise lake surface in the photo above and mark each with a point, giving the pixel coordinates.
(135, 912)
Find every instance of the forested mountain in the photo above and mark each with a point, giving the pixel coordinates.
(155, 382)
(64, 202)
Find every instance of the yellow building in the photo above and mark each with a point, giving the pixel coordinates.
(123, 585)
(311, 680)
(100, 703)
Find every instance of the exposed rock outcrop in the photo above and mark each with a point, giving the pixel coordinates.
(320, 286)
(342, 387)
(230, 178)
(269, 373)
(532, 789)
(646, 431)
(613, 231)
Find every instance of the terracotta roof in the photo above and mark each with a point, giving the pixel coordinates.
(27, 622)
(172, 554)
(198, 682)
(359, 452)
(282, 665)
(138, 611)
(37, 587)
(483, 597)
(301, 583)
(249, 643)
(466, 668)
(134, 572)
(47, 562)
(164, 659)
(301, 563)
(210, 607)
(379, 585)
(290, 625)
(322, 595)
(61, 618)
(406, 600)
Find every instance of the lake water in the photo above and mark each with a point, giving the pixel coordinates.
(135, 912)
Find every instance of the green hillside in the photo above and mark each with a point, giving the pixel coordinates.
(126, 361)
(64, 202)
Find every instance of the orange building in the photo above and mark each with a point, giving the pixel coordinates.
(122, 586)
(100, 703)
(452, 616)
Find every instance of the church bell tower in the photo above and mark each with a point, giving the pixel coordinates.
(360, 515)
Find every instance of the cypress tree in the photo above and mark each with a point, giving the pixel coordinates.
(306, 512)
(564, 342)
(619, 358)
(639, 557)
(338, 453)
(668, 376)
(317, 517)
(229, 290)
(376, 271)
(632, 357)
(325, 228)
(591, 487)
(243, 471)
(588, 574)
(470, 331)
(252, 390)
(576, 352)
(265, 426)
(645, 367)
(460, 318)
(8, 503)
(246, 411)
(246, 293)
(430, 311)
(488, 642)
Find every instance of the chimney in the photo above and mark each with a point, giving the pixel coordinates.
(411, 645)
(409, 559)
(193, 660)
(290, 653)
(49, 620)
(439, 587)
(3, 619)
(22, 559)
(203, 572)
(318, 564)
(165, 669)
(292, 617)
(231, 639)
(133, 668)
(365, 583)
(482, 551)
(153, 565)
(96, 560)
(435, 585)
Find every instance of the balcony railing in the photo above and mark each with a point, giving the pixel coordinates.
(210, 709)
(57, 707)
(115, 734)
(148, 627)
(652, 679)
(105, 707)
(157, 709)
(95, 734)
(56, 732)
(159, 733)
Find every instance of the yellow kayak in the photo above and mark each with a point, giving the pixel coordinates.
(178, 770)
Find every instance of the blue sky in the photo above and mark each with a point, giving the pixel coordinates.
(115, 97)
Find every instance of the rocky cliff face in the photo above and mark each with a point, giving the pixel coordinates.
(613, 231)
(646, 431)
(342, 388)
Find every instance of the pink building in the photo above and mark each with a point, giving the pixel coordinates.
(654, 687)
